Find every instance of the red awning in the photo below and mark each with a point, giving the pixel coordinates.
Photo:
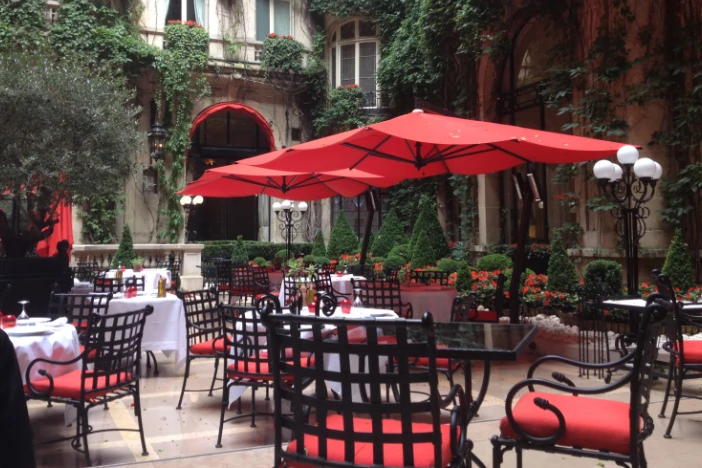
(238, 108)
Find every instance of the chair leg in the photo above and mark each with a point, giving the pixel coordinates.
(153, 356)
(238, 410)
(225, 404)
(83, 414)
(678, 394)
(185, 379)
(496, 454)
(267, 389)
(214, 377)
(518, 451)
(137, 412)
(667, 389)
(253, 406)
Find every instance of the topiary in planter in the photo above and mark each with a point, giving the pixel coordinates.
(240, 257)
(260, 261)
(602, 278)
(125, 254)
(423, 254)
(402, 251)
(390, 235)
(342, 239)
(494, 262)
(319, 249)
(561, 271)
(393, 264)
(677, 265)
(429, 223)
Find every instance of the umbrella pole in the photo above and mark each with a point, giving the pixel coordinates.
(519, 255)
(370, 203)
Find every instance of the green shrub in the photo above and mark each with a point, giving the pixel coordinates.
(423, 254)
(429, 223)
(309, 260)
(464, 279)
(255, 249)
(677, 264)
(494, 262)
(448, 265)
(125, 254)
(393, 263)
(342, 239)
(561, 271)
(390, 235)
(319, 250)
(508, 277)
(403, 251)
(240, 257)
(458, 252)
(260, 261)
(282, 53)
(602, 278)
(322, 260)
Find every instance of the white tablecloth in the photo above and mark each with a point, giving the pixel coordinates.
(165, 327)
(342, 284)
(641, 303)
(426, 299)
(61, 345)
(150, 275)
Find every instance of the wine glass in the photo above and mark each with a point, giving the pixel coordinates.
(357, 302)
(23, 315)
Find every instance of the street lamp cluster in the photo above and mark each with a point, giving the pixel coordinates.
(629, 186)
(289, 217)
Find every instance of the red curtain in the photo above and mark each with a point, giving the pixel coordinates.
(63, 230)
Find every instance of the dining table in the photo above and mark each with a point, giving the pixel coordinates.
(341, 283)
(150, 275)
(432, 298)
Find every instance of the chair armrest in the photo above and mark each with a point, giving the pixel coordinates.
(461, 446)
(203, 329)
(46, 374)
(410, 309)
(574, 363)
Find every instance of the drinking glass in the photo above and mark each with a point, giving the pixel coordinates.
(23, 315)
(357, 302)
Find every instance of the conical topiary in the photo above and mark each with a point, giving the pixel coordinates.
(423, 253)
(318, 249)
(125, 254)
(342, 239)
(677, 265)
(240, 256)
(429, 223)
(389, 235)
(561, 271)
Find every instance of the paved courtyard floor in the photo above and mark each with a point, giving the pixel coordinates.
(187, 437)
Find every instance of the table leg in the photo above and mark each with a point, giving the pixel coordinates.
(475, 404)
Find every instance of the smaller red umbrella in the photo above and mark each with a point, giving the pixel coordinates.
(240, 180)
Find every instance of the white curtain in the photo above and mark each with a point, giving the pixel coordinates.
(200, 12)
(162, 12)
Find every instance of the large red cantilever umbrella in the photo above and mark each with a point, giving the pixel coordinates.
(420, 144)
(238, 180)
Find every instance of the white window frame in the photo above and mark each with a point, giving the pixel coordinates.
(357, 40)
(271, 17)
(184, 12)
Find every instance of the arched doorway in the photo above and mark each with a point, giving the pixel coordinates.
(221, 135)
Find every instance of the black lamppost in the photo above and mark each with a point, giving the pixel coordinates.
(189, 204)
(157, 141)
(289, 217)
(629, 187)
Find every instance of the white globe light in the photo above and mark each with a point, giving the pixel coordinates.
(186, 200)
(659, 171)
(617, 172)
(198, 200)
(627, 154)
(418, 111)
(603, 169)
(645, 168)
(302, 206)
(276, 206)
(286, 204)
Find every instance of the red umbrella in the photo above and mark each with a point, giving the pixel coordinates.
(239, 180)
(420, 144)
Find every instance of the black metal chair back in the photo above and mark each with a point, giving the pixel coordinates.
(202, 316)
(367, 271)
(243, 286)
(107, 285)
(208, 270)
(78, 308)
(291, 284)
(86, 271)
(291, 343)
(383, 294)
(262, 280)
(137, 281)
(245, 340)
(465, 309)
(429, 277)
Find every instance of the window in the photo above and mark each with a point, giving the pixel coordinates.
(356, 213)
(185, 10)
(353, 58)
(273, 16)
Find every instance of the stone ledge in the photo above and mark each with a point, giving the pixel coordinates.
(162, 247)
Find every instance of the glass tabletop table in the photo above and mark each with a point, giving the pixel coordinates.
(482, 341)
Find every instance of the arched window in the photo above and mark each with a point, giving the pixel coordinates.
(353, 57)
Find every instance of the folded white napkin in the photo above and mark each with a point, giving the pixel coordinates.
(59, 322)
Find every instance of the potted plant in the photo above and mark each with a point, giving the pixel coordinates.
(138, 264)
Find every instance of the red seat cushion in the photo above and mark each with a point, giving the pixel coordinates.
(591, 423)
(275, 293)
(91, 354)
(206, 349)
(441, 363)
(484, 316)
(224, 287)
(68, 385)
(245, 369)
(692, 350)
(392, 453)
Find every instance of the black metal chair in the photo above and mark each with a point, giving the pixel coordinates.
(245, 356)
(587, 427)
(208, 270)
(371, 432)
(204, 328)
(103, 284)
(86, 271)
(224, 279)
(685, 355)
(323, 284)
(291, 284)
(383, 294)
(111, 374)
(367, 271)
(137, 281)
(78, 308)
(429, 277)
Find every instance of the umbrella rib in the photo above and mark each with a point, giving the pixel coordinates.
(510, 153)
(252, 182)
(368, 154)
(457, 155)
(374, 152)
